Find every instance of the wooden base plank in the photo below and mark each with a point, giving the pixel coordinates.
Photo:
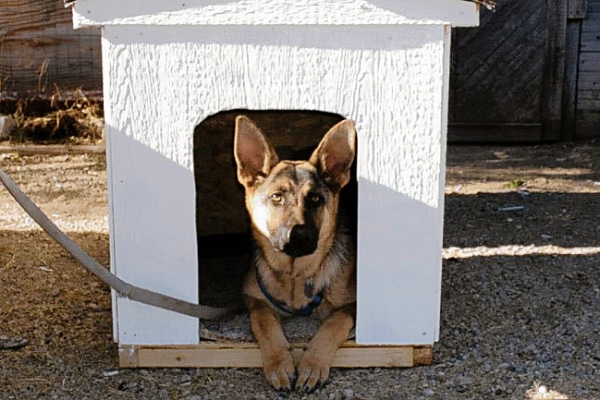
(247, 355)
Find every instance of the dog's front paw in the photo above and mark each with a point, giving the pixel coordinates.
(313, 370)
(280, 371)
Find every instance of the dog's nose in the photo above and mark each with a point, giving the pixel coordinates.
(300, 234)
(302, 241)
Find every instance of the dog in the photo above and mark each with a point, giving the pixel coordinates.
(304, 257)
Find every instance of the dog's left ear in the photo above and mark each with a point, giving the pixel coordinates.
(335, 154)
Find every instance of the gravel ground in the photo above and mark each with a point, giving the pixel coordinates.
(521, 288)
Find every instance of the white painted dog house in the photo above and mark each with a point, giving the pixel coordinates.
(383, 63)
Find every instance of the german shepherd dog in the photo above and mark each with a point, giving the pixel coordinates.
(304, 261)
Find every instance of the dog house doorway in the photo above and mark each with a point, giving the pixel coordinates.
(222, 224)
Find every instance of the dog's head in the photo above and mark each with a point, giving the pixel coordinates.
(293, 204)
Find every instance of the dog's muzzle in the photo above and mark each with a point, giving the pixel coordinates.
(301, 241)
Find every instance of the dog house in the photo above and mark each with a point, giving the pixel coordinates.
(170, 65)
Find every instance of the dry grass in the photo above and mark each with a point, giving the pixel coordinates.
(74, 119)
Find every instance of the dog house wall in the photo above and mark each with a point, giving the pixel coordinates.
(169, 65)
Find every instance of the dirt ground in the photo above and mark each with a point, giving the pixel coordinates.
(521, 288)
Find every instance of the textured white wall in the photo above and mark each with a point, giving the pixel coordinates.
(160, 83)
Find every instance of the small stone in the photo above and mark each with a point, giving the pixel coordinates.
(499, 390)
(461, 389)
(348, 393)
(7, 125)
(465, 381)
(12, 343)
(543, 390)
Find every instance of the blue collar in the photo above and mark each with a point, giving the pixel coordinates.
(305, 311)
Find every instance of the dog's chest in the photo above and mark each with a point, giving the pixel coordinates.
(297, 291)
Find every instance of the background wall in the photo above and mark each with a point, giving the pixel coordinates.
(529, 73)
(40, 50)
(588, 79)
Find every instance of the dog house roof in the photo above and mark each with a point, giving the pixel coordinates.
(276, 12)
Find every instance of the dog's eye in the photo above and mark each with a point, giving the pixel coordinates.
(315, 198)
(276, 198)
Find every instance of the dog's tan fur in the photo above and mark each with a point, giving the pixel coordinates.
(279, 196)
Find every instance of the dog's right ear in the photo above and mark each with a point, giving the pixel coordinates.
(253, 153)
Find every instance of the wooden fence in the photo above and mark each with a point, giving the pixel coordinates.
(529, 73)
(40, 51)
(587, 113)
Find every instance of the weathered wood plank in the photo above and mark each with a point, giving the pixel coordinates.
(589, 62)
(39, 49)
(31, 16)
(588, 94)
(589, 80)
(494, 133)
(587, 125)
(494, 59)
(592, 22)
(247, 355)
(588, 114)
(590, 40)
(569, 96)
(554, 68)
(591, 115)
(589, 105)
(593, 6)
(511, 70)
(577, 9)
(52, 149)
